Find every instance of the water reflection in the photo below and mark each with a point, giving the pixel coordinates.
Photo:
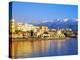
(38, 48)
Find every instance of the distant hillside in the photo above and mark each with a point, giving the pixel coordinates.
(65, 23)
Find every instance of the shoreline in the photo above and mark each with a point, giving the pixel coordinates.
(35, 39)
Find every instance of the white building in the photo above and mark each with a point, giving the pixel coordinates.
(25, 27)
(30, 27)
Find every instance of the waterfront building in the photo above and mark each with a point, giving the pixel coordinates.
(59, 34)
(21, 27)
(44, 28)
(21, 30)
(25, 27)
(12, 26)
(41, 30)
(29, 27)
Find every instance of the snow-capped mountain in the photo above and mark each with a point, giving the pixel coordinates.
(61, 23)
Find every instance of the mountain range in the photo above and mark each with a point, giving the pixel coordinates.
(61, 23)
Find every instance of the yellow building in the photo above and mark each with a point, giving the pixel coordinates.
(12, 26)
(20, 27)
(59, 34)
(41, 30)
(44, 28)
(25, 27)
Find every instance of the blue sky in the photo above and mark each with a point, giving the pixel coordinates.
(39, 12)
